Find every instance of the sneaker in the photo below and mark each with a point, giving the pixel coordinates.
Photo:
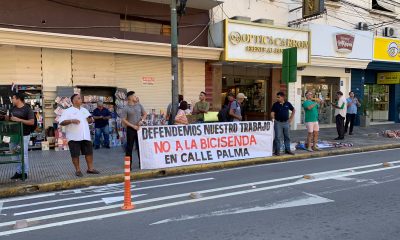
(310, 150)
(78, 174)
(316, 149)
(277, 153)
(108, 147)
(26, 176)
(16, 176)
(96, 147)
(338, 138)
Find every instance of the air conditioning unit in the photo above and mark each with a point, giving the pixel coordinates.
(388, 32)
(362, 26)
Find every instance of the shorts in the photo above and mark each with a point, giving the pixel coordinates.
(312, 127)
(77, 147)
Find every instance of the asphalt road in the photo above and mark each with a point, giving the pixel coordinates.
(343, 197)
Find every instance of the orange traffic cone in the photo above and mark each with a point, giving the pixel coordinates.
(128, 205)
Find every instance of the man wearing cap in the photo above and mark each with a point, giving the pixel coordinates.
(101, 116)
(235, 111)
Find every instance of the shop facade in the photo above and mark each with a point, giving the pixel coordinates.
(252, 61)
(335, 53)
(98, 67)
(379, 83)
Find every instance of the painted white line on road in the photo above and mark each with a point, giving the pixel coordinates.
(103, 200)
(202, 192)
(85, 219)
(14, 199)
(106, 193)
(309, 199)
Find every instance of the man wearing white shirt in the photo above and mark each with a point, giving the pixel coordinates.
(340, 114)
(76, 120)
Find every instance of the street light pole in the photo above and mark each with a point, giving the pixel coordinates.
(174, 60)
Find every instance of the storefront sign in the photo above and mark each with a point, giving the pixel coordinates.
(338, 43)
(183, 145)
(344, 42)
(253, 42)
(387, 49)
(148, 81)
(313, 8)
(389, 78)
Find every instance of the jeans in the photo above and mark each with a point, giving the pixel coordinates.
(132, 138)
(350, 118)
(106, 135)
(340, 125)
(26, 157)
(281, 127)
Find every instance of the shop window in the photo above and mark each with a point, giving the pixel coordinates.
(145, 26)
(376, 102)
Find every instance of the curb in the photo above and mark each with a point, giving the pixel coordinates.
(146, 174)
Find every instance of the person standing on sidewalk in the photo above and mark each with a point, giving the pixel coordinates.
(201, 107)
(76, 120)
(133, 117)
(21, 112)
(311, 110)
(235, 107)
(281, 119)
(352, 104)
(340, 114)
(101, 116)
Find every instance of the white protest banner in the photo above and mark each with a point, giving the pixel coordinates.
(182, 145)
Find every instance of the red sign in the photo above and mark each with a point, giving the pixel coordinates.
(148, 81)
(344, 43)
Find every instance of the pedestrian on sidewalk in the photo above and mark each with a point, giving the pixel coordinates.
(280, 117)
(21, 112)
(181, 118)
(311, 109)
(133, 116)
(340, 114)
(76, 120)
(169, 109)
(352, 104)
(101, 116)
(235, 107)
(201, 107)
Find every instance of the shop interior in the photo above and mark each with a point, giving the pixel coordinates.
(324, 88)
(254, 81)
(376, 100)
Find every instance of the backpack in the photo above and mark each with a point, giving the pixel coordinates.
(223, 114)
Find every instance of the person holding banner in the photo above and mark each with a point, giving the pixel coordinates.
(133, 116)
(235, 107)
(181, 118)
(201, 107)
(281, 119)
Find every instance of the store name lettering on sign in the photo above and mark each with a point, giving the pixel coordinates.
(168, 146)
(282, 43)
(344, 43)
(150, 81)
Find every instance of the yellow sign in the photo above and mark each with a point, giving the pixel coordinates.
(387, 49)
(389, 78)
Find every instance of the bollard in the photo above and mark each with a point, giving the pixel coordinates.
(128, 205)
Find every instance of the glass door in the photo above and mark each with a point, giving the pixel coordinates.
(376, 100)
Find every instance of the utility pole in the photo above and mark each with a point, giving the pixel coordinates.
(174, 59)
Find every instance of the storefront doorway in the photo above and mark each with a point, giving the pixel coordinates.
(323, 88)
(251, 80)
(376, 100)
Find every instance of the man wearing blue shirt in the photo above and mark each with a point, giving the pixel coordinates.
(101, 116)
(352, 104)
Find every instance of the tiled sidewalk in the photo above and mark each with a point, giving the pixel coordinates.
(52, 166)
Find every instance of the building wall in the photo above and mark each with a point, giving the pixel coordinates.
(79, 17)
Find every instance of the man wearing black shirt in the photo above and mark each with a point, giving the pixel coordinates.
(101, 116)
(24, 114)
(280, 116)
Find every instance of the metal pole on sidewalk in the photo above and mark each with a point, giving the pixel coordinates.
(174, 59)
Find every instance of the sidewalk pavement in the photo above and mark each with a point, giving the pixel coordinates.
(53, 170)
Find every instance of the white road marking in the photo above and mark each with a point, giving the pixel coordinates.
(14, 199)
(121, 213)
(309, 199)
(106, 193)
(105, 200)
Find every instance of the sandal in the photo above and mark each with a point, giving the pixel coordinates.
(93, 171)
(78, 174)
